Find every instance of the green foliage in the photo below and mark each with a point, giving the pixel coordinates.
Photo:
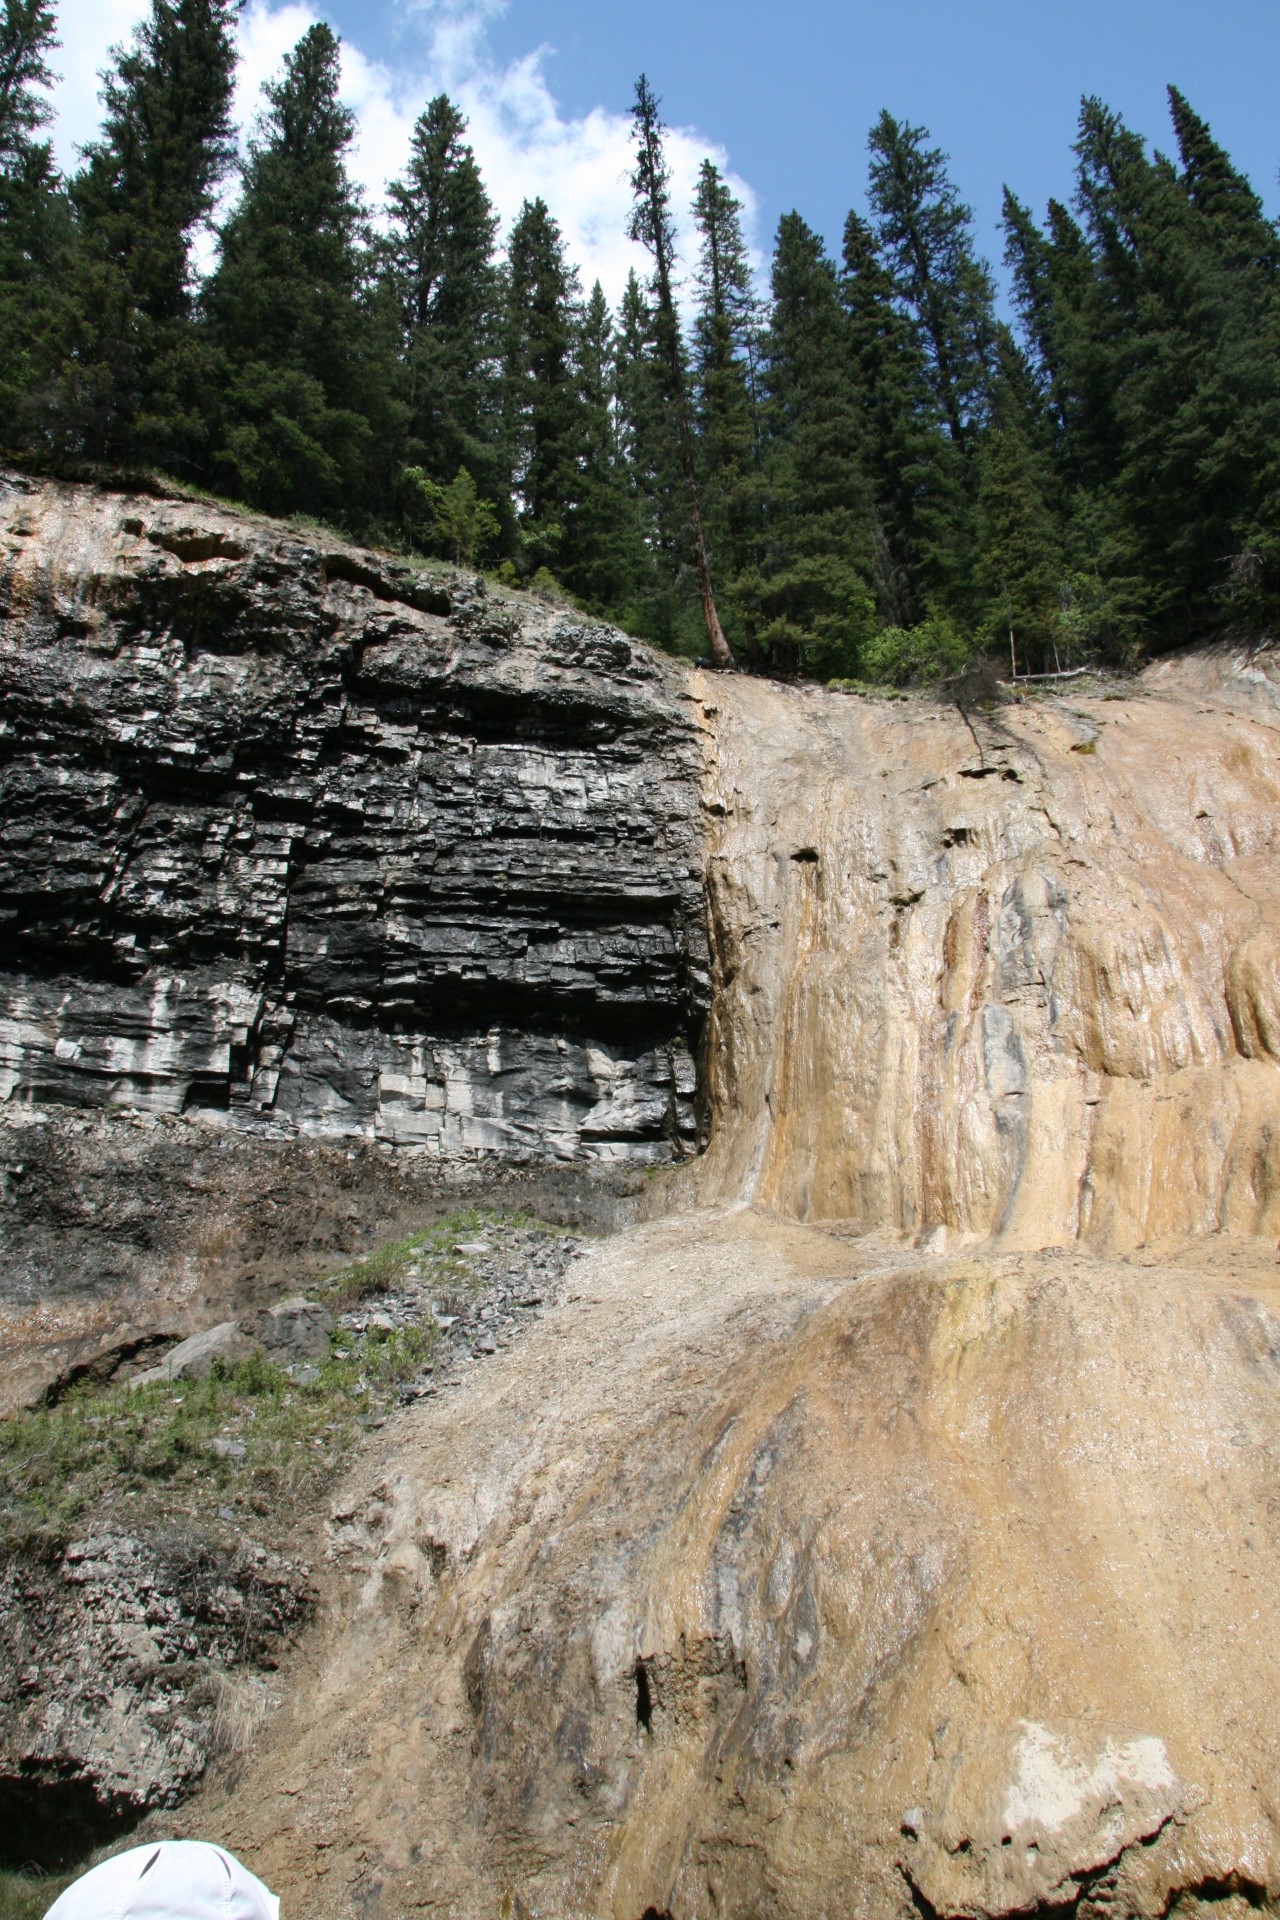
(147, 1448)
(545, 426)
(924, 234)
(810, 602)
(308, 363)
(459, 523)
(862, 448)
(446, 294)
(139, 385)
(916, 656)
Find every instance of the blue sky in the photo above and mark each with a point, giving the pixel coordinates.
(782, 98)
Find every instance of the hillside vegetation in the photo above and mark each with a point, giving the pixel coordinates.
(867, 473)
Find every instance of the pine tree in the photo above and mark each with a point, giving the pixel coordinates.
(1223, 198)
(651, 225)
(36, 236)
(913, 467)
(924, 233)
(544, 430)
(725, 349)
(147, 186)
(448, 295)
(813, 601)
(1184, 512)
(602, 554)
(289, 309)
(649, 451)
(1020, 565)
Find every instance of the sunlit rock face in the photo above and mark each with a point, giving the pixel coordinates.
(1011, 972)
(322, 844)
(781, 1574)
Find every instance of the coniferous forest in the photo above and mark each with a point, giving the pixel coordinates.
(856, 471)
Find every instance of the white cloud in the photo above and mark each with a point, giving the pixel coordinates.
(524, 143)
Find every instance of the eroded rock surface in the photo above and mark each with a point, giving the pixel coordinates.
(780, 1576)
(311, 840)
(930, 1566)
(1011, 973)
(116, 1664)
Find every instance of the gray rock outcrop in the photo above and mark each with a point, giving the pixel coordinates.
(120, 1661)
(307, 840)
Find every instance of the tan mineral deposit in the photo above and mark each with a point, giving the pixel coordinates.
(892, 1527)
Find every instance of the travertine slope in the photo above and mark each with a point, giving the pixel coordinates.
(1014, 973)
(307, 838)
(784, 1575)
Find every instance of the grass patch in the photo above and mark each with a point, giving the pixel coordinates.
(387, 1265)
(251, 1436)
(147, 1453)
(28, 1896)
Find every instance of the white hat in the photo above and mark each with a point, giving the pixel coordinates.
(168, 1880)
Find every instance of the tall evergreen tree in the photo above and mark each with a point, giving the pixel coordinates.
(910, 461)
(813, 601)
(147, 186)
(36, 236)
(602, 554)
(447, 290)
(309, 369)
(1179, 339)
(725, 348)
(1020, 564)
(924, 231)
(545, 423)
(1227, 204)
(651, 224)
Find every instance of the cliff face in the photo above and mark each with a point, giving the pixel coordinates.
(306, 839)
(1011, 973)
(920, 1559)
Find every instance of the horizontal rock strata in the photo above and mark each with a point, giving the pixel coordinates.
(325, 844)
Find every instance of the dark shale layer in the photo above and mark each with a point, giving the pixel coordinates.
(310, 842)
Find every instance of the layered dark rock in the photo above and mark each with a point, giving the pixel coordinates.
(310, 841)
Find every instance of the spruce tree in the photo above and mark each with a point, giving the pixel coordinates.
(37, 314)
(813, 601)
(1225, 201)
(913, 467)
(651, 224)
(448, 296)
(602, 553)
(924, 233)
(545, 425)
(1181, 347)
(725, 349)
(649, 450)
(309, 375)
(147, 185)
(1020, 566)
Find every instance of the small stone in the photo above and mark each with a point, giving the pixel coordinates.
(228, 1449)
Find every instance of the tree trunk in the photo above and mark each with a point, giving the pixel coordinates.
(721, 652)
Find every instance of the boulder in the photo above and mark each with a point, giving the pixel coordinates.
(293, 1329)
(194, 1359)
